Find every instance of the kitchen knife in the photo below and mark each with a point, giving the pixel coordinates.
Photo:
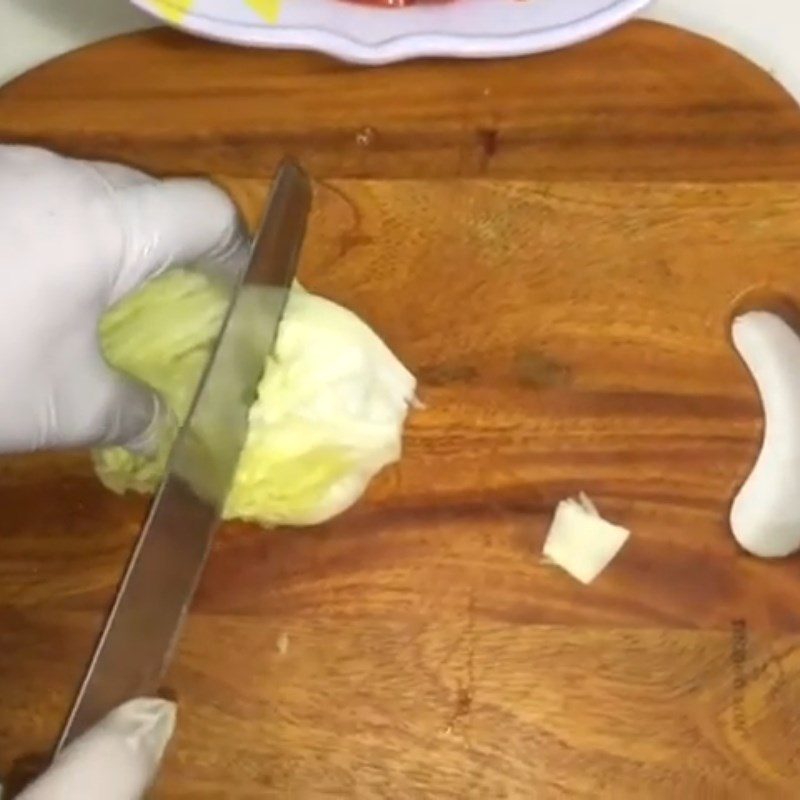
(156, 590)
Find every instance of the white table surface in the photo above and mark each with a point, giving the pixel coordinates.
(767, 31)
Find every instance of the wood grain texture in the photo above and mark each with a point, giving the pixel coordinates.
(558, 259)
(645, 102)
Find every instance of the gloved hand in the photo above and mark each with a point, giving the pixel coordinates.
(117, 759)
(75, 236)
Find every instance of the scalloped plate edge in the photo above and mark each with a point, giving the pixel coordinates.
(406, 46)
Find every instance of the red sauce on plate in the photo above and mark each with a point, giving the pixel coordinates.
(399, 3)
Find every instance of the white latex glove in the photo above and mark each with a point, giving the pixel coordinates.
(117, 759)
(75, 236)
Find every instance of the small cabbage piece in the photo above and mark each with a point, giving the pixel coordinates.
(330, 407)
(580, 541)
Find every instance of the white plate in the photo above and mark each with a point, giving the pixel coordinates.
(361, 34)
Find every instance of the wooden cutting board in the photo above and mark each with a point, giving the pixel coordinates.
(555, 246)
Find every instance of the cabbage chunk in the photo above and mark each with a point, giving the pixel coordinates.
(329, 413)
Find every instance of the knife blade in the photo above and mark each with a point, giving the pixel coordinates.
(142, 628)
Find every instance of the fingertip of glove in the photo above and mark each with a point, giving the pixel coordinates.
(171, 222)
(200, 196)
(146, 443)
(146, 716)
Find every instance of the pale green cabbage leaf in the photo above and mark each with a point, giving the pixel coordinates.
(330, 409)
